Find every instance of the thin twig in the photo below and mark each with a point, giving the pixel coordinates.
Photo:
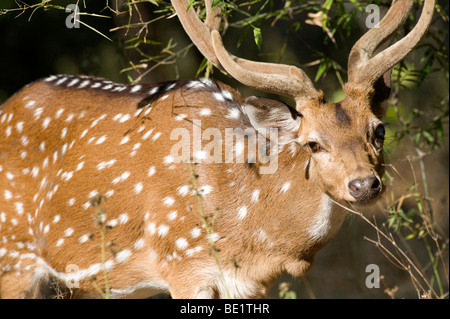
(207, 225)
(398, 249)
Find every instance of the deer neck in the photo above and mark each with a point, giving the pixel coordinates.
(272, 208)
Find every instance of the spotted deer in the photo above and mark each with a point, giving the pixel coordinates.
(71, 146)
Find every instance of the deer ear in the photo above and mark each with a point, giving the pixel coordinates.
(266, 113)
(382, 91)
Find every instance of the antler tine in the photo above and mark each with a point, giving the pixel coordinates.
(368, 43)
(212, 16)
(199, 32)
(364, 71)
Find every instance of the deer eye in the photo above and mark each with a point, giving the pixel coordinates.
(379, 132)
(379, 135)
(314, 146)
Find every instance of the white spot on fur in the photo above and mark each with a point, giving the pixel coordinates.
(124, 140)
(30, 104)
(181, 243)
(136, 88)
(163, 230)
(112, 223)
(138, 188)
(196, 232)
(123, 255)
(151, 171)
(68, 232)
(180, 117)
(147, 134)
(83, 238)
(73, 82)
(124, 118)
(156, 136)
(242, 212)
(213, 237)
(103, 165)
(154, 90)
(63, 133)
(121, 178)
(8, 195)
(100, 140)
(109, 193)
(168, 160)
(285, 187)
(172, 215)
(183, 190)
(191, 251)
(219, 97)
(139, 244)
(93, 194)
(227, 94)
(151, 227)
(123, 218)
(255, 196)
(205, 190)
(66, 176)
(168, 201)
(46, 123)
(205, 112)
(233, 113)
(79, 166)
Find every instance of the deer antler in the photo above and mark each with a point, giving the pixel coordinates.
(275, 78)
(364, 71)
(199, 32)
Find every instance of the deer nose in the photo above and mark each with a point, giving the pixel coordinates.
(365, 189)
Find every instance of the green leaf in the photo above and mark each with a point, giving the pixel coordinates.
(429, 137)
(257, 36)
(410, 236)
(440, 130)
(189, 5)
(323, 66)
(391, 221)
(357, 4)
(243, 36)
(419, 204)
(327, 5)
(291, 295)
(202, 67)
